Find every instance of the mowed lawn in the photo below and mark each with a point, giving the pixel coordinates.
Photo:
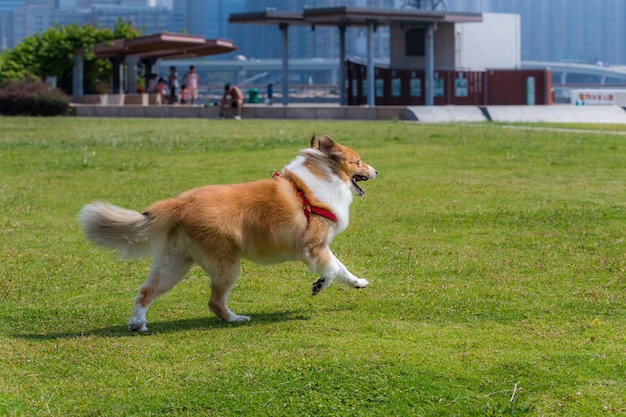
(496, 261)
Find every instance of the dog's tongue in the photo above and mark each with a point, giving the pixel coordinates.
(354, 182)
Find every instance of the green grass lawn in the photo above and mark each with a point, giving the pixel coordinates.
(496, 261)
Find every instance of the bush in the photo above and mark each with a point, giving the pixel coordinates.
(32, 98)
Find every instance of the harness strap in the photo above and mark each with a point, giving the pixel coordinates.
(307, 207)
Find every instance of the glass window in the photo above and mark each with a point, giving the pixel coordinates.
(396, 87)
(416, 87)
(460, 87)
(439, 87)
(380, 88)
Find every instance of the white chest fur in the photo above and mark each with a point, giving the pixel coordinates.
(333, 192)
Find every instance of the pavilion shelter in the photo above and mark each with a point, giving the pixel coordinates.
(425, 22)
(148, 50)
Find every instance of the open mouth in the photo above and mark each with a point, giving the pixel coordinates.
(357, 178)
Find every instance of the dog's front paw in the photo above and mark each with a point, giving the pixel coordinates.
(238, 319)
(318, 286)
(135, 325)
(361, 283)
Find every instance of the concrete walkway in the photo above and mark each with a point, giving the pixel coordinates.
(564, 113)
(250, 111)
(445, 114)
(560, 113)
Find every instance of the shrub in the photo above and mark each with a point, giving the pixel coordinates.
(33, 98)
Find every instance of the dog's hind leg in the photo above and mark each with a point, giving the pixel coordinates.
(330, 268)
(346, 277)
(223, 274)
(165, 272)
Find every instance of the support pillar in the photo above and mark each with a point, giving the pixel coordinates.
(118, 69)
(342, 65)
(131, 74)
(149, 66)
(429, 91)
(284, 28)
(371, 99)
(78, 74)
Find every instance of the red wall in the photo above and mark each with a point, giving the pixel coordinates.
(477, 88)
(509, 86)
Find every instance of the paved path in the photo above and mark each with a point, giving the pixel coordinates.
(560, 113)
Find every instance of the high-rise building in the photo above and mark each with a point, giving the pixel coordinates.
(210, 18)
(63, 4)
(34, 16)
(150, 19)
(8, 5)
(586, 31)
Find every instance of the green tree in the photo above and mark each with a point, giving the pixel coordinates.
(51, 53)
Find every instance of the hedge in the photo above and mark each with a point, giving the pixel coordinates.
(32, 98)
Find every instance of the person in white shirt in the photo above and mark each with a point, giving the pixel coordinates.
(191, 81)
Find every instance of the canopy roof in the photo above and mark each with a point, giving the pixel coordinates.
(268, 17)
(354, 16)
(370, 18)
(165, 46)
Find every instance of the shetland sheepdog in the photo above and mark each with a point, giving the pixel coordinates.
(292, 216)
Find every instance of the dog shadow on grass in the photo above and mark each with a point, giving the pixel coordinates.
(161, 327)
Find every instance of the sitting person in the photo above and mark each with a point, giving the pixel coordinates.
(233, 97)
(184, 94)
(161, 89)
(152, 82)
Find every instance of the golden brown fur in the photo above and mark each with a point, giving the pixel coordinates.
(217, 225)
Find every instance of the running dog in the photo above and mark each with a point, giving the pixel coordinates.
(293, 216)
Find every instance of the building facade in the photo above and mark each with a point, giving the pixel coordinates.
(20, 19)
(582, 31)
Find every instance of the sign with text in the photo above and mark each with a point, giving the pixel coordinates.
(592, 97)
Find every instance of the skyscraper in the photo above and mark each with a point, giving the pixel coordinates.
(62, 4)
(8, 5)
(586, 31)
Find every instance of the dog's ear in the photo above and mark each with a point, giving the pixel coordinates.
(326, 144)
(314, 142)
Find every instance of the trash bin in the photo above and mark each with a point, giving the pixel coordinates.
(253, 95)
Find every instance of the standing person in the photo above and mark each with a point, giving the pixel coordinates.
(173, 81)
(270, 94)
(191, 80)
(233, 97)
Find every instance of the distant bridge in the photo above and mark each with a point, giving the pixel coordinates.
(328, 69)
(568, 73)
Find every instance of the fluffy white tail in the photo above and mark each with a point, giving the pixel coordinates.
(129, 232)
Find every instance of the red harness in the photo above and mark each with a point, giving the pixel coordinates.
(308, 208)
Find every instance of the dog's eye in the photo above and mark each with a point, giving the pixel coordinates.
(357, 162)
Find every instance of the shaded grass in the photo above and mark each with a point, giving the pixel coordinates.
(495, 257)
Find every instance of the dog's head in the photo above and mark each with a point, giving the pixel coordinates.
(344, 162)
